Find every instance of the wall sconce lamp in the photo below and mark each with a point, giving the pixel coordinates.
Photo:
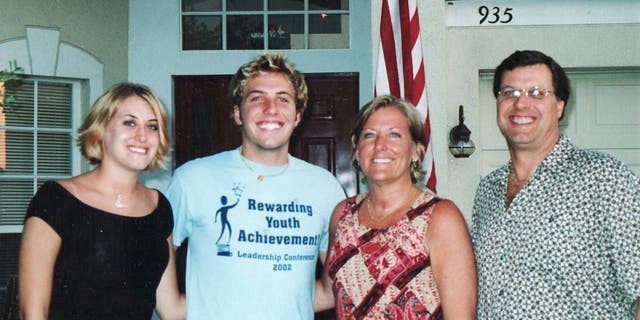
(460, 145)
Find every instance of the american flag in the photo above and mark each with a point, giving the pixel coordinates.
(400, 69)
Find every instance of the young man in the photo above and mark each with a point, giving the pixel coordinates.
(256, 217)
(556, 229)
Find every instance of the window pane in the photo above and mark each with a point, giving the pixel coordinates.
(286, 5)
(328, 4)
(54, 105)
(20, 113)
(286, 31)
(244, 5)
(201, 33)
(201, 5)
(19, 154)
(15, 195)
(329, 31)
(54, 153)
(245, 32)
(54, 145)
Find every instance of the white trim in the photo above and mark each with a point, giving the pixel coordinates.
(39, 41)
(502, 13)
(41, 53)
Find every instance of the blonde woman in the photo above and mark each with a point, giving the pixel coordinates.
(397, 251)
(98, 245)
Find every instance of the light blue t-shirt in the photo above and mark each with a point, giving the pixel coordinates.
(253, 244)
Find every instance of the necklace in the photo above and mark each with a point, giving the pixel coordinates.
(374, 216)
(262, 176)
(119, 202)
(387, 213)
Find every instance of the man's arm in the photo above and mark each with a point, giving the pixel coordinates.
(323, 295)
(324, 299)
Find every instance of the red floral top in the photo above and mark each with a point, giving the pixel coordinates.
(384, 273)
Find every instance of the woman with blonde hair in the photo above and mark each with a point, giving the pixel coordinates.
(98, 245)
(397, 251)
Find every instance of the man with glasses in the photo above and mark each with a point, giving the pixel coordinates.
(556, 230)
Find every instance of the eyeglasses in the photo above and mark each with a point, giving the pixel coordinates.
(533, 92)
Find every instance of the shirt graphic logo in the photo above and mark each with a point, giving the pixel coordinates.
(224, 249)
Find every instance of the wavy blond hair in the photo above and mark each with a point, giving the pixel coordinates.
(414, 121)
(266, 63)
(95, 123)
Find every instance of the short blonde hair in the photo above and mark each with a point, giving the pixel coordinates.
(414, 122)
(92, 129)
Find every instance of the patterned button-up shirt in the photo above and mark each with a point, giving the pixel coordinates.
(568, 247)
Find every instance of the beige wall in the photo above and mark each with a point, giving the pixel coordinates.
(96, 26)
(471, 49)
(454, 57)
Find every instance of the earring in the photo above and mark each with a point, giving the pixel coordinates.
(414, 164)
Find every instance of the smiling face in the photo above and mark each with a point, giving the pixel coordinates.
(131, 138)
(527, 123)
(385, 147)
(267, 115)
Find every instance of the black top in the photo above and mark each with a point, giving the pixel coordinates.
(109, 265)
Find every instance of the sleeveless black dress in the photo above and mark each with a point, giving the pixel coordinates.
(109, 265)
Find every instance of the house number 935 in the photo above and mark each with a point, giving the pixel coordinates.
(495, 15)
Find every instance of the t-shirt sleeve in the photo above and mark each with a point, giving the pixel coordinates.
(177, 195)
(46, 205)
(334, 195)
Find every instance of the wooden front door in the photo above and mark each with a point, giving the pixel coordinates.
(203, 126)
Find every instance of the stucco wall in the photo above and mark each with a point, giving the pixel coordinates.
(454, 57)
(471, 49)
(98, 27)
(155, 55)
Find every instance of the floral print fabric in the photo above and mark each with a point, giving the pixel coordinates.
(568, 247)
(384, 273)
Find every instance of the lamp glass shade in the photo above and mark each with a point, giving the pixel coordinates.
(461, 148)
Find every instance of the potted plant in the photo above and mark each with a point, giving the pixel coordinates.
(8, 77)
